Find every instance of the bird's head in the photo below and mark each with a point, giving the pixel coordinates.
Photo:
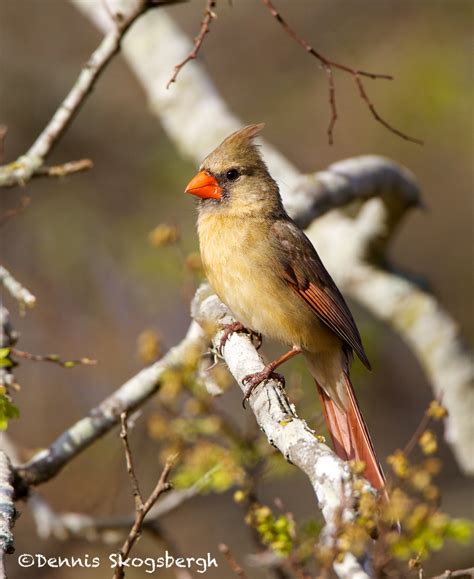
(234, 177)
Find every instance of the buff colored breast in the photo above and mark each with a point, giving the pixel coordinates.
(240, 267)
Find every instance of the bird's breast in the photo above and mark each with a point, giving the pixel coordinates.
(240, 265)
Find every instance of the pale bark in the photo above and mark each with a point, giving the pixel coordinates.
(330, 477)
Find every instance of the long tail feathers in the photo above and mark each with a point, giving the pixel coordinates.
(350, 435)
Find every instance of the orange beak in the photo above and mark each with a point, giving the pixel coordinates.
(204, 185)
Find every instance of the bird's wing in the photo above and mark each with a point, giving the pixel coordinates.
(302, 269)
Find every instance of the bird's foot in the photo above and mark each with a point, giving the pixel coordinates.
(229, 329)
(251, 381)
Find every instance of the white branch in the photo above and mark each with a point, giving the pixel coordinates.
(330, 477)
(196, 118)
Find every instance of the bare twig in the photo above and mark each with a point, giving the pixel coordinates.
(209, 16)
(15, 288)
(141, 507)
(21, 170)
(65, 168)
(234, 566)
(328, 66)
(137, 496)
(53, 358)
(422, 426)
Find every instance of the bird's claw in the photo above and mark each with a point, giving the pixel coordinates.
(251, 381)
(229, 329)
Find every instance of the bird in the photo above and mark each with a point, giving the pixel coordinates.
(267, 272)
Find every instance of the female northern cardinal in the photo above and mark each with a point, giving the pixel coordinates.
(265, 269)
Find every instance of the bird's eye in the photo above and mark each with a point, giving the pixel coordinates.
(232, 174)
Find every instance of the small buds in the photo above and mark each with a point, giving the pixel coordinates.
(163, 235)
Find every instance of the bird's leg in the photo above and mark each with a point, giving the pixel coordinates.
(229, 329)
(253, 380)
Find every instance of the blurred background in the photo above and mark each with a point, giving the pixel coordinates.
(82, 246)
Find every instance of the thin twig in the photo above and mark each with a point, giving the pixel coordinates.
(328, 66)
(53, 358)
(209, 16)
(141, 507)
(235, 567)
(137, 496)
(161, 487)
(65, 169)
(422, 426)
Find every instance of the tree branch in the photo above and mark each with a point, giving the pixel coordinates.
(330, 477)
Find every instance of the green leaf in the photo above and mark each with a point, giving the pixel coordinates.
(7, 411)
(460, 530)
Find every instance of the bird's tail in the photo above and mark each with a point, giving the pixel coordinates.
(350, 435)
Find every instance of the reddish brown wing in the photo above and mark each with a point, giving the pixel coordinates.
(306, 275)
